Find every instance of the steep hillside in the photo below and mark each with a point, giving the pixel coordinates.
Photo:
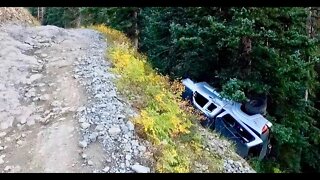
(173, 127)
(18, 15)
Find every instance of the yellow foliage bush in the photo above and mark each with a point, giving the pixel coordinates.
(113, 34)
(172, 161)
(161, 117)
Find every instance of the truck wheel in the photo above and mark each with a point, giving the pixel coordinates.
(208, 123)
(212, 125)
(256, 106)
(204, 123)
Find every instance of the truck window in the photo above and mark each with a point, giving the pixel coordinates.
(200, 100)
(211, 107)
(228, 119)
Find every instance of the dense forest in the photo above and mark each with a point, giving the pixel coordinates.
(241, 51)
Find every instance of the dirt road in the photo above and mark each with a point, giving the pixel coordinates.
(41, 99)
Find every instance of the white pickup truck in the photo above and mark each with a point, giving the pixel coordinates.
(250, 132)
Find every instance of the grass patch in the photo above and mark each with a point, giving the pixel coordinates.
(164, 119)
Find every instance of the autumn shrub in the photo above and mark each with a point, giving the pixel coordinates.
(113, 34)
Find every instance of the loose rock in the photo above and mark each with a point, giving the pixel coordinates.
(93, 136)
(130, 125)
(83, 144)
(90, 163)
(114, 131)
(45, 97)
(85, 125)
(7, 168)
(106, 169)
(84, 156)
(140, 169)
(99, 128)
(142, 148)
(1, 159)
(44, 55)
(3, 134)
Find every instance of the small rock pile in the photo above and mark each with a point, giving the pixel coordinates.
(231, 166)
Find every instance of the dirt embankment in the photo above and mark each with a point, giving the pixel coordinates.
(16, 15)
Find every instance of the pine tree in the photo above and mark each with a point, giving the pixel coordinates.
(125, 19)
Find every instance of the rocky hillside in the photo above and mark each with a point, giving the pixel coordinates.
(16, 15)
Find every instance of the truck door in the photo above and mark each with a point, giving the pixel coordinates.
(229, 127)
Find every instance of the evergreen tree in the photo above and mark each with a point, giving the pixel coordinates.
(124, 19)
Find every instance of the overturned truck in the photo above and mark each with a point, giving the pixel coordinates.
(243, 124)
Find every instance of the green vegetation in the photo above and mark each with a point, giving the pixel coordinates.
(243, 52)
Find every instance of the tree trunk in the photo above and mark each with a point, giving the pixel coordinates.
(245, 53)
(136, 28)
(310, 26)
(42, 14)
(38, 17)
(79, 18)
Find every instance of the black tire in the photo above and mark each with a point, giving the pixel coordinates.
(204, 123)
(212, 125)
(208, 123)
(256, 106)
